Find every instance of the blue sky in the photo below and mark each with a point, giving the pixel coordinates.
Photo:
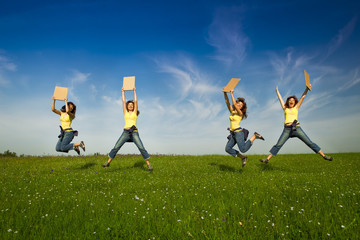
(182, 53)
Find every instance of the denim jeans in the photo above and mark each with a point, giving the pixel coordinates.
(64, 144)
(289, 133)
(237, 138)
(126, 136)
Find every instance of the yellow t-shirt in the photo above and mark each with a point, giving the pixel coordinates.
(130, 119)
(65, 121)
(291, 114)
(235, 120)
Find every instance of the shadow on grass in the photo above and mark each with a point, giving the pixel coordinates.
(263, 167)
(87, 166)
(138, 164)
(225, 168)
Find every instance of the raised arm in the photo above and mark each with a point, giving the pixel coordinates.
(123, 100)
(135, 102)
(302, 98)
(67, 109)
(227, 102)
(53, 107)
(234, 103)
(280, 98)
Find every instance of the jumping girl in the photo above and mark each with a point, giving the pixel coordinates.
(67, 115)
(238, 135)
(292, 126)
(130, 133)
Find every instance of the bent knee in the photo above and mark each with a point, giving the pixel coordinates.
(228, 149)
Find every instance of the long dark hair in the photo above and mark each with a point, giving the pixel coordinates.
(244, 107)
(288, 99)
(127, 109)
(73, 111)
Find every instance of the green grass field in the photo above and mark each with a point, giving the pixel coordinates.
(185, 197)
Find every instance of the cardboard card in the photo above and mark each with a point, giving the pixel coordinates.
(231, 85)
(129, 83)
(307, 80)
(60, 93)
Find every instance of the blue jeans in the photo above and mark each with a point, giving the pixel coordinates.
(126, 136)
(289, 133)
(64, 144)
(237, 138)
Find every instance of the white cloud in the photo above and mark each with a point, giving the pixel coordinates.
(354, 80)
(184, 81)
(341, 37)
(289, 66)
(3, 81)
(187, 78)
(79, 77)
(93, 90)
(6, 65)
(226, 35)
(112, 100)
(76, 79)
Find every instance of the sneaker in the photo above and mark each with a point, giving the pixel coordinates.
(244, 161)
(107, 164)
(265, 160)
(77, 150)
(258, 136)
(82, 145)
(150, 168)
(328, 158)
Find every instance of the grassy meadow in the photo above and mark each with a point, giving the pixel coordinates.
(185, 197)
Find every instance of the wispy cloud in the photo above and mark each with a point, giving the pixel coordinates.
(111, 100)
(340, 38)
(196, 107)
(354, 80)
(289, 65)
(77, 78)
(187, 78)
(226, 35)
(6, 65)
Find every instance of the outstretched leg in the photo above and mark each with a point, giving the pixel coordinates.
(276, 148)
(140, 146)
(303, 137)
(230, 150)
(125, 136)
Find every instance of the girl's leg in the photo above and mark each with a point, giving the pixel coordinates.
(329, 158)
(125, 136)
(282, 139)
(276, 148)
(229, 147)
(80, 144)
(140, 146)
(66, 144)
(303, 137)
(58, 145)
(243, 146)
(256, 136)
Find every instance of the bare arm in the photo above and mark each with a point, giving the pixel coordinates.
(280, 98)
(135, 102)
(123, 100)
(234, 103)
(302, 98)
(68, 110)
(227, 102)
(53, 107)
